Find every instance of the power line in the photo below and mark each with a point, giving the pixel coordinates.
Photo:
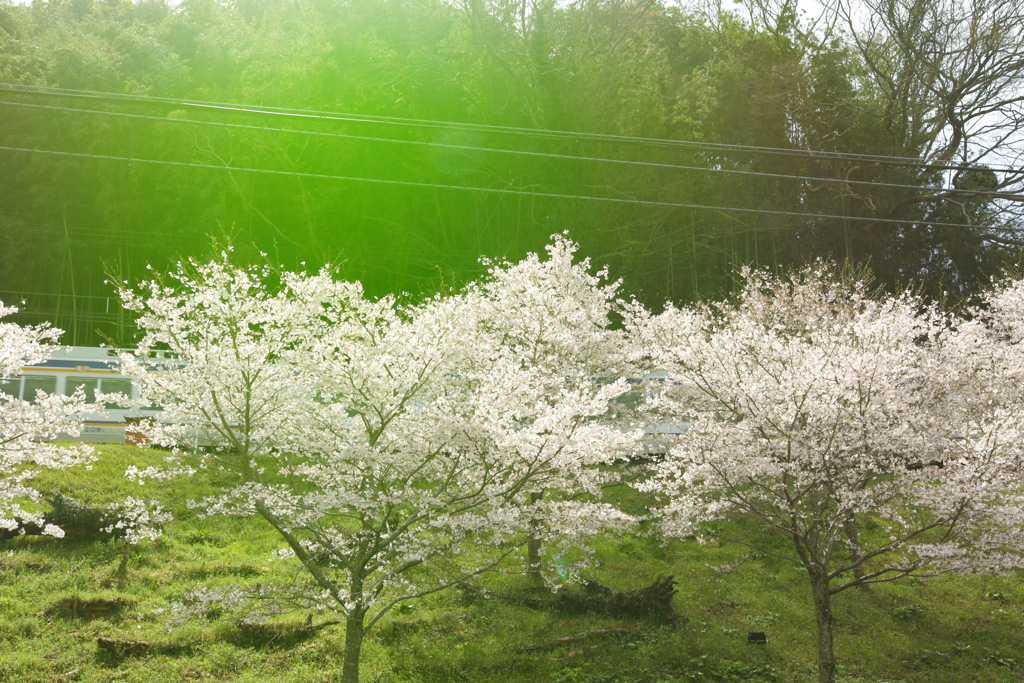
(492, 190)
(100, 232)
(139, 239)
(83, 316)
(74, 296)
(89, 235)
(511, 130)
(549, 155)
(105, 231)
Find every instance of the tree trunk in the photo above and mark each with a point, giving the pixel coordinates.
(533, 549)
(823, 617)
(354, 632)
(533, 560)
(850, 529)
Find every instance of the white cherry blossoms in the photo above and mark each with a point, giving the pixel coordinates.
(397, 448)
(816, 406)
(26, 428)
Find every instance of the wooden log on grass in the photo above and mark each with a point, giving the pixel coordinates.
(653, 601)
(78, 521)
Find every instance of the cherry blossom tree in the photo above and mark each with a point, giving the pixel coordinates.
(552, 319)
(398, 449)
(850, 425)
(27, 428)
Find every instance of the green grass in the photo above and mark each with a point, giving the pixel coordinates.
(951, 629)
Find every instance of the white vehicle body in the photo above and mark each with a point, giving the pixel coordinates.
(94, 370)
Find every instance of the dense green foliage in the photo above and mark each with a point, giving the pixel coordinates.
(937, 630)
(375, 188)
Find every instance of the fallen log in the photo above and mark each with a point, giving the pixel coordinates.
(88, 608)
(77, 520)
(653, 601)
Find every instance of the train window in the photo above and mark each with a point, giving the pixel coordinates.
(116, 386)
(33, 383)
(11, 387)
(89, 384)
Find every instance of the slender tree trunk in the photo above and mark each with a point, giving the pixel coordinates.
(533, 548)
(354, 632)
(823, 617)
(533, 559)
(122, 569)
(850, 529)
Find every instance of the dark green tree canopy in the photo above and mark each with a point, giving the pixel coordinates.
(402, 140)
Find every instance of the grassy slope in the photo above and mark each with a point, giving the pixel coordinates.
(952, 629)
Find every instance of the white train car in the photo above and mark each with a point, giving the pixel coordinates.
(94, 370)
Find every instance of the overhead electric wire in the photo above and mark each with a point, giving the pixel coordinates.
(89, 234)
(549, 155)
(56, 313)
(75, 296)
(491, 190)
(104, 231)
(511, 130)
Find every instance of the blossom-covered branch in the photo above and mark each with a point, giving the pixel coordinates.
(396, 448)
(28, 427)
(881, 438)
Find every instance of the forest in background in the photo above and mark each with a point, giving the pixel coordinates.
(403, 139)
